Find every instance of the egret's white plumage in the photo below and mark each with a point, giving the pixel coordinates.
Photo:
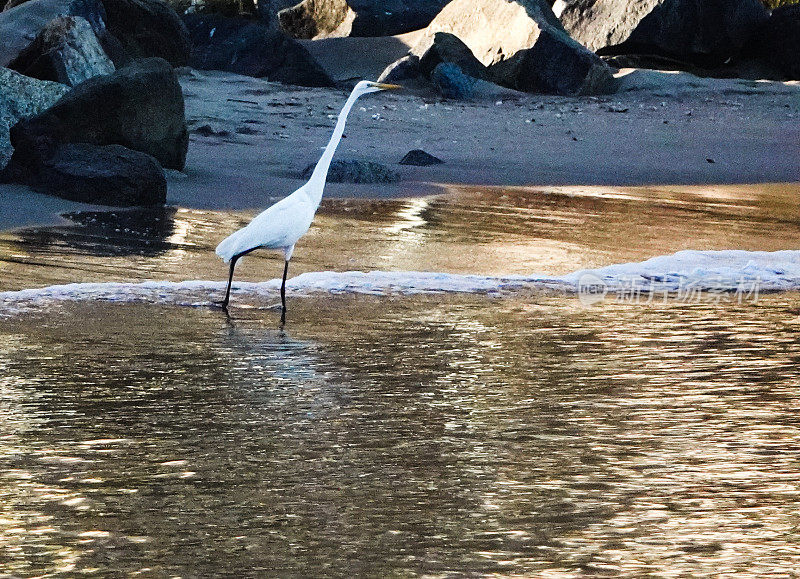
(285, 222)
(279, 227)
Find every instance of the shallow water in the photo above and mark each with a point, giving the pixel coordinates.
(522, 435)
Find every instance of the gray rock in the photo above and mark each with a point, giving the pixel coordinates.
(700, 32)
(252, 49)
(104, 175)
(402, 69)
(268, 10)
(323, 18)
(778, 41)
(139, 107)
(315, 18)
(446, 47)
(494, 30)
(600, 23)
(65, 51)
(22, 97)
(228, 8)
(356, 171)
(147, 28)
(451, 82)
(126, 29)
(22, 24)
(556, 64)
(420, 158)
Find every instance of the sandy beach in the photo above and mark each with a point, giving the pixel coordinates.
(251, 139)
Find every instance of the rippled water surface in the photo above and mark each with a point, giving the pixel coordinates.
(404, 435)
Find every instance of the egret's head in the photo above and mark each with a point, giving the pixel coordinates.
(367, 86)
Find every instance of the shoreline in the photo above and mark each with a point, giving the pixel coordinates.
(665, 129)
(250, 139)
(24, 209)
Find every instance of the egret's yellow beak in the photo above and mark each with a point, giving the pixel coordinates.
(383, 86)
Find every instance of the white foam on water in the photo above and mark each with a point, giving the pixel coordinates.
(726, 271)
(705, 270)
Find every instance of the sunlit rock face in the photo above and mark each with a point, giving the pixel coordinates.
(600, 23)
(494, 30)
(556, 64)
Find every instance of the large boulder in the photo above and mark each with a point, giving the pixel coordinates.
(600, 23)
(126, 29)
(700, 32)
(222, 7)
(20, 25)
(22, 97)
(494, 30)
(322, 18)
(317, 18)
(139, 107)
(404, 68)
(147, 28)
(778, 41)
(451, 82)
(104, 175)
(555, 64)
(66, 51)
(446, 47)
(268, 10)
(252, 49)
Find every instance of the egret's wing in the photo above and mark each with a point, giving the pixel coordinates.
(281, 225)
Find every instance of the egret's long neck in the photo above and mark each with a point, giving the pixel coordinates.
(317, 181)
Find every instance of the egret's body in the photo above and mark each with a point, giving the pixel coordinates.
(283, 224)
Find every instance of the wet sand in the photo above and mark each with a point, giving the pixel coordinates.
(672, 129)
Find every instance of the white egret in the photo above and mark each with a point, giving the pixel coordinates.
(285, 222)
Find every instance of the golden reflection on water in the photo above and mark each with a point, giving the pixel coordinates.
(403, 436)
(468, 230)
(437, 436)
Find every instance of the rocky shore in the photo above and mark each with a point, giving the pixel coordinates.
(141, 102)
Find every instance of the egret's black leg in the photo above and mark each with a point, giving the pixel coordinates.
(283, 292)
(224, 303)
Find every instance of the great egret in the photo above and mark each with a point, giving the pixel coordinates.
(285, 222)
